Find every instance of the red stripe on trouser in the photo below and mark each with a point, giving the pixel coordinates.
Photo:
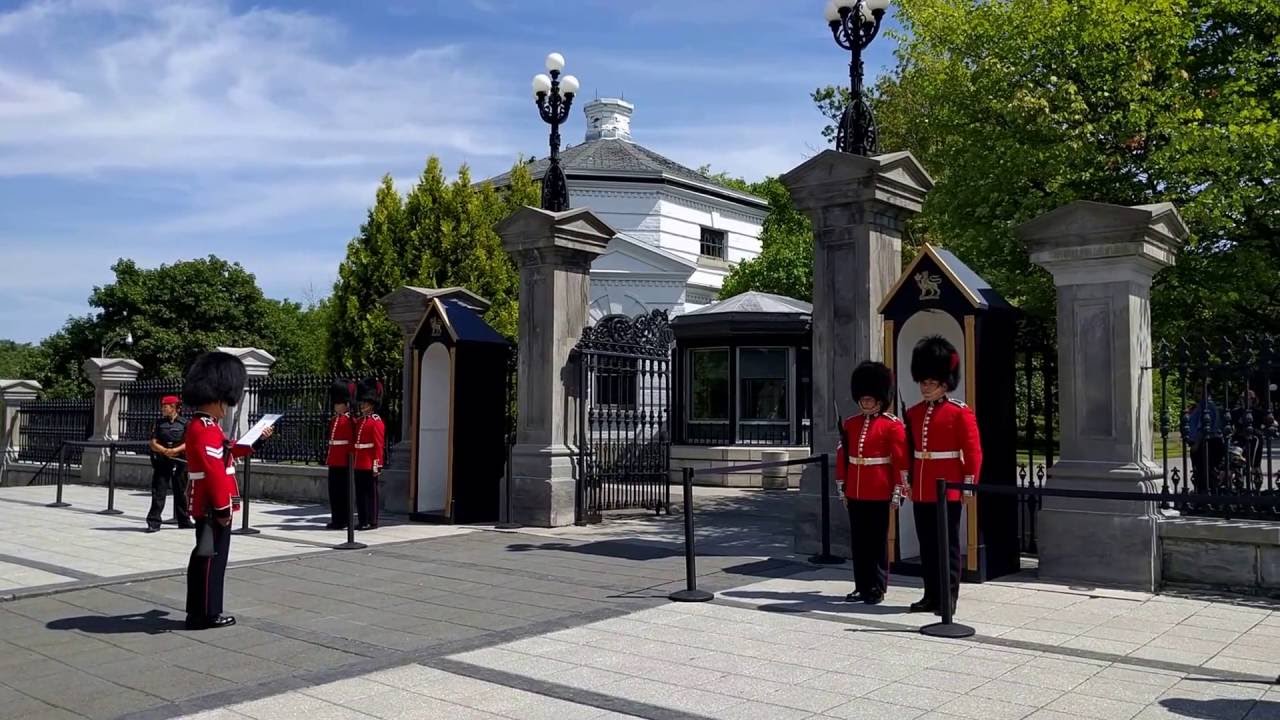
(208, 569)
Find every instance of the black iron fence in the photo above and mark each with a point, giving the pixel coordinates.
(753, 434)
(44, 425)
(1036, 408)
(1216, 425)
(302, 435)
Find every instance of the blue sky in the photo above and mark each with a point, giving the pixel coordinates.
(257, 131)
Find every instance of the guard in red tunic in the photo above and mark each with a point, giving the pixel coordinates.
(944, 436)
(370, 445)
(212, 386)
(871, 465)
(341, 434)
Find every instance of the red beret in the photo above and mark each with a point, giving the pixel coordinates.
(170, 400)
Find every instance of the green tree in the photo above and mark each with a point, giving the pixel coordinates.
(442, 234)
(170, 324)
(16, 358)
(785, 263)
(1019, 107)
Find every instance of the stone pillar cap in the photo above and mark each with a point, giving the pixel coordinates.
(114, 369)
(19, 389)
(1086, 230)
(530, 228)
(407, 304)
(256, 360)
(832, 176)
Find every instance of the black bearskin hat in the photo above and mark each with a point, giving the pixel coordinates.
(213, 377)
(872, 379)
(936, 359)
(340, 392)
(370, 392)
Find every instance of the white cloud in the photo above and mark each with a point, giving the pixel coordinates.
(198, 88)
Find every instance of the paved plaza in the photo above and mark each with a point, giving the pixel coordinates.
(470, 623)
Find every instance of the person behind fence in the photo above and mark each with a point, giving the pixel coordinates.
(341, 435)
(213, 384)
(168, 466)
(370, 444)
(1204, 439)
(944, 435)
(871, 466)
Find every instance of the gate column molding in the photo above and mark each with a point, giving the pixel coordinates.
(858, 207)
(1103, 258)
(107, 375)
(12, 394)
(554, 252)
(257, 363)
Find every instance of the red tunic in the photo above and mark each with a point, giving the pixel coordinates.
(946, 445)
(876, 459)
(370, 442)
(211, 468)
(342, 430)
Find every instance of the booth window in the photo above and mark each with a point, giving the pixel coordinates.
(615, 382)
(764, 384)
(713, 243)
(709, 395)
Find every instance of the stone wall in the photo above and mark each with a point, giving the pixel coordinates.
(1238, 555)
(704, 456)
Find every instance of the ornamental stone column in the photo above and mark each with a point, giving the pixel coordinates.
(13, 393)
(1103, 258)
(554, 252)
(107, 375)
(859, 207)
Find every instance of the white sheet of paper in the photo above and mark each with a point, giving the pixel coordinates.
(255, 432)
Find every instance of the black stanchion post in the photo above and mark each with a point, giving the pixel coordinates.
(691, 593)
(351, 543)
(244, 528)
(62, 465)
(946, 628)
(825, 557)
(111, 483)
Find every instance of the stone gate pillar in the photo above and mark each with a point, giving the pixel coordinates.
(107, 375)
(858, 207)
(257, 364)
(13, 392)
(554, 253)
(1103, 258)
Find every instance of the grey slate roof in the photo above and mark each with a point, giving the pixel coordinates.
(755, 303)
(623, 158)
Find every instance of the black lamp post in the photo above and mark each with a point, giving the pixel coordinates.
(554, 96)
(854, 24)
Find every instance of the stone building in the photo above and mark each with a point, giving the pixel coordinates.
(679, 231)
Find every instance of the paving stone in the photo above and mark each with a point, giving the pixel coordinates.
(866, 709)
(1095, 707)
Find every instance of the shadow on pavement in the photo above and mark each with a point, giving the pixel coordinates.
(1221, 708)
(812, 601)
(151, 622)
(621, 549)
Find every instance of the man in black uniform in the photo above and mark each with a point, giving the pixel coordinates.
(168, 465)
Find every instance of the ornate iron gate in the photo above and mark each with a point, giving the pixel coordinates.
(624, 434)
(1037, 420)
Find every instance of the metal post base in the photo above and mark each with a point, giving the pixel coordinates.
(821, 559)
(58, 504)
(690, 596)
(350, 546)
(952, 630)
(246, 531)
(110, 511)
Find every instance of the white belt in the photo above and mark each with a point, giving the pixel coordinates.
(340, 442)
(363, 446)
(231, 470)
(869, 461)
(946, 455)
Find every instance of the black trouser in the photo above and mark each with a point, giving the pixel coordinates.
(367, 497)
(926, 516)
(168, 476)
(869, 543)
(1206, 459)
(339, 503)
(205, 575)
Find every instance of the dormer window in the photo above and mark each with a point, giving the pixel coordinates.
(713, 244)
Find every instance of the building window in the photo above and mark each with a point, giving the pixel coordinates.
(764, 384)
(615, 382)
(713, 243)
(709, 396)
